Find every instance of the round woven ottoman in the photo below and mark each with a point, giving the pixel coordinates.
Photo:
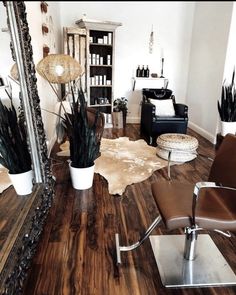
(183, 147)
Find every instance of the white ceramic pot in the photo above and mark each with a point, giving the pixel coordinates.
(22, 182)
(82, 178)
(228, 127)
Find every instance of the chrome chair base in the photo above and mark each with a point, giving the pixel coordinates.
(208, 269)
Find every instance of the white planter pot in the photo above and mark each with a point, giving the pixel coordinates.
(22, 182)
(228, 127)
(82, 178)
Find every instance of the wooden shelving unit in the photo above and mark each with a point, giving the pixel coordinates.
(100, 62)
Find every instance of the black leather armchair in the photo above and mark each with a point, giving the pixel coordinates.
(152, 125)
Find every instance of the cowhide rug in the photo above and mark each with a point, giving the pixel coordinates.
(5, 181)
(124, 162)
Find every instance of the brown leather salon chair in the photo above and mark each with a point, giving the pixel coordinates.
(194, 259)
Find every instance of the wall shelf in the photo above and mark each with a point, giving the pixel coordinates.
(136, 80)
(101, 86)
(101, 105)
(106, 66)
(100, 44)
(149, 78)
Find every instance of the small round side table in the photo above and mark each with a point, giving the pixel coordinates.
(183, 147)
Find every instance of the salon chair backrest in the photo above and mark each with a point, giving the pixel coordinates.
(158, 93)
(223, 170)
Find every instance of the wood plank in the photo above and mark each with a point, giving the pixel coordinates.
(76, 254)
(14, 209)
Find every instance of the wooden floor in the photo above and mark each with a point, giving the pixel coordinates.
(76, 254)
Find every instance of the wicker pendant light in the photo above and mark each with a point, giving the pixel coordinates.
(59, 68)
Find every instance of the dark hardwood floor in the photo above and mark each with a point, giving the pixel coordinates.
(76, 254)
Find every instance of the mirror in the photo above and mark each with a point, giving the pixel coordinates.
(18, 243)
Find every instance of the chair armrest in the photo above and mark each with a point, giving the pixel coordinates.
(181, 110)
(208, 184)
(147, 113)
(148, 107)
(196, 192)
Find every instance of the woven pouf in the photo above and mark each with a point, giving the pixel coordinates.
(183, 147)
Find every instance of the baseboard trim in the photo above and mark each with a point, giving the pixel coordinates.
(202, 132)
(195, 127)
(133, 120)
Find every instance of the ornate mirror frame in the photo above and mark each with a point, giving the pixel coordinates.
(17, 261)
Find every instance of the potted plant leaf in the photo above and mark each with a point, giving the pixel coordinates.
(227, 107)
(120, 105)
(14, 153)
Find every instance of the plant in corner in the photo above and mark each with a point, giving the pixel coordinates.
(227, 107)
(14, 153)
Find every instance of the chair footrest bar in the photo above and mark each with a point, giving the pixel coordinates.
(138, 243)
(118, 258)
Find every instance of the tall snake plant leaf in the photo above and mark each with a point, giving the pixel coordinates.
(233, 75)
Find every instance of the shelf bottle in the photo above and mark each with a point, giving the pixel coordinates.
(138, 72)
(147, 72)
(142, 72)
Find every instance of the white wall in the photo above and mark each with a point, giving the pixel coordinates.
(206, 67)
(230, 61)
(53, 39)
(194, 38)
(172, 24)
(6, 60)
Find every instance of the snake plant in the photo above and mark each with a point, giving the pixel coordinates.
(227, 107)
(14, 153)
(84, 129)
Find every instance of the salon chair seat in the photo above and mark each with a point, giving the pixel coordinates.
(176, 209)
(195, 260)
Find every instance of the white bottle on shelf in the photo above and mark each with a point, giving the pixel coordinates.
(105, 39)
(97, 59)
(92, 81)
(108, 60)
(93, 59)
(110, 38)
(104, 80)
